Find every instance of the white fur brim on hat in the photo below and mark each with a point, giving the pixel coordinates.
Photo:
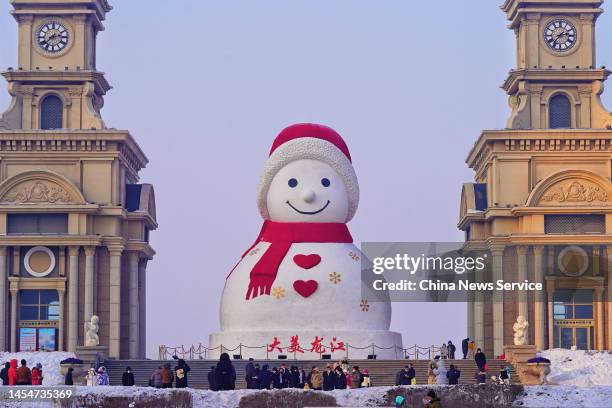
(309, 148)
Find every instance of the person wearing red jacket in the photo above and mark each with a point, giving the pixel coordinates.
(37, 377)
(12, 372)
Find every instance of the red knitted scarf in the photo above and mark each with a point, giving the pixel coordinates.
(281, 235)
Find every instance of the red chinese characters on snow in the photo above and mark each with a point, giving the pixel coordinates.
(274, 345)
(318, 345)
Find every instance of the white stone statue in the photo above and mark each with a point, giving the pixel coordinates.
(91, 332)
(440, 372)
(520, 331)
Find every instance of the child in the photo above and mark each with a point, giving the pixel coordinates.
(366, 379)
(102, 376)
(92, 378)
(37, 377)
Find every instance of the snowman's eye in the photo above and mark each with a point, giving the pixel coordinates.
(292, 182)
(325, 182)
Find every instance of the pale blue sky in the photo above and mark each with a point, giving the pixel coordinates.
(204, 87)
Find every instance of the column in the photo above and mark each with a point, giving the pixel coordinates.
(14, 293)
(89, 283)
(60, 342)
(523, 300)
(73, 298)
(16, 260)
(599, 324)
(3, 297)
(550, 290)
(497, 252)
(134, 257)
(609, 296)
(478, 311)
(142, 303)
(539, 311)
(114, 346)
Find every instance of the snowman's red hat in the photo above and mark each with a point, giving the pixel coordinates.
(305, 141)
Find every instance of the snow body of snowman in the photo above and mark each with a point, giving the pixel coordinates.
(298, 288)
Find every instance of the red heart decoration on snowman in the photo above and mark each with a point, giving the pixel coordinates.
(305, 288)
(307, 261)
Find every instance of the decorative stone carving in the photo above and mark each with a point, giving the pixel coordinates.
(575, 191)
(37, 192)
(520, 331)
(91, 332)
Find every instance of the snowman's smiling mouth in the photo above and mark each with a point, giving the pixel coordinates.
(309, 212)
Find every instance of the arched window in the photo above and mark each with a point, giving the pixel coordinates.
(51, 113)
(560, 112)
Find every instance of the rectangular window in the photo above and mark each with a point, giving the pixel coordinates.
(575, 224)
(37, 224)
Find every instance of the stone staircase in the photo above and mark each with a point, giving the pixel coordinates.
(382, 372)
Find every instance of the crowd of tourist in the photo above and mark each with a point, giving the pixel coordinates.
(332, 376)
(22, 375)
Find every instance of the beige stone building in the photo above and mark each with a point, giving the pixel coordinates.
(541, 201)
(74, 222)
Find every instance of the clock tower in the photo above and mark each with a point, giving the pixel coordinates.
(555, 56)
(57, 57)
(541, 202)
(74, 218)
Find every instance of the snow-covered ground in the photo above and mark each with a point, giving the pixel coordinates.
(49, 360)
(566, 396)
(579, 368)
(583, 378)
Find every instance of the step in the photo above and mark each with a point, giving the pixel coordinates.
(382, 372)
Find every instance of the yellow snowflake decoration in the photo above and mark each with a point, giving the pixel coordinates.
(278, 292)
(354, 256)
(365, 306)
(335, 278)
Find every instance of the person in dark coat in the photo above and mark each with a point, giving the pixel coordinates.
(328, 379)
(265, 378)
(411, 373)
(293, 379)
(464, 347)
(453, 375)
(451, 350)
(480, 359)
(481, 377)
(4, 373)
(180, 373)
(402, 377)
(225, 374)
(303, 377)
(275, 379)
(249, 374)
(127, 379)
(256, 377)
(68, 378)
(340, 379)
(212, 384)
(283, 376)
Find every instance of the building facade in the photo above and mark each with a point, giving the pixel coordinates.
(74, 221)
(541, 200)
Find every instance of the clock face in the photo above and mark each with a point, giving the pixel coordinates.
(560, 35)
(52, 37)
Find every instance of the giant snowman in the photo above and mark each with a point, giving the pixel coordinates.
(297, 290)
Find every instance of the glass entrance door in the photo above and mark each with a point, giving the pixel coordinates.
(573, 319)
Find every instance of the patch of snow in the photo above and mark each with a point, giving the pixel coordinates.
(579, 368)
(565, 396)
(49, 360)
